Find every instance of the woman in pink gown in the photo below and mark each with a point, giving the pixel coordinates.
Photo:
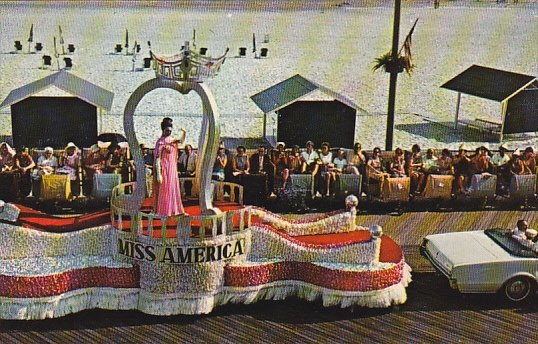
(167, 195)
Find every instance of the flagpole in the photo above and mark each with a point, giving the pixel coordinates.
(61, 39)
(393, 77)
(31, 37)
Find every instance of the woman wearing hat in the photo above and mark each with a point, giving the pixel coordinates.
(167, 195)
(69, 164)
(6, 157)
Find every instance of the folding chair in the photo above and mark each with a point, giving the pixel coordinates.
(38, 46)
(55, 187)
(71, 48)
(118, 48)
(47, 61)
(396, 189)
(349, 184)
(483, 186)
(438, 187)
(103, 184)
(68, 63)
(18, 46)
(203, 51)
(263, 52)
(147, 62)
(522, 187)
(242, 52)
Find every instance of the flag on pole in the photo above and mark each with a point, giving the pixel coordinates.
(253, 43)
(31, 37)
(406, 47)
(126, 38)
(194, 38)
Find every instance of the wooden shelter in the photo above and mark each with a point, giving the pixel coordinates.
(39, 120)
(308, 111)
(517, 93)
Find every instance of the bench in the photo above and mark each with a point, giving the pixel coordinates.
(492, 127)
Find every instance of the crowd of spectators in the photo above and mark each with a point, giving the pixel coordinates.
(270, 170)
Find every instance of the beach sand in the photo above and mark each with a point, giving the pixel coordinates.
(333, 46)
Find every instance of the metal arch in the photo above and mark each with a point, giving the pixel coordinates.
(208, 143)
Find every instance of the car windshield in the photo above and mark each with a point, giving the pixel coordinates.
(503, 237)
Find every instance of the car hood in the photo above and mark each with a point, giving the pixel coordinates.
(463, 248)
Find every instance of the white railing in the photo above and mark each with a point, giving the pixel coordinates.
(187, 228)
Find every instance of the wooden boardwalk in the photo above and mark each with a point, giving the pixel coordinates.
(433, 312)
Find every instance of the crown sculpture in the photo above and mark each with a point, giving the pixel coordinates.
(187, 65)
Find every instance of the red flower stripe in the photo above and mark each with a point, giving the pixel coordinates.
(43, 286)
(245, 276)
(310, 245)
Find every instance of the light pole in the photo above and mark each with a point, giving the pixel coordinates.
(393, 77)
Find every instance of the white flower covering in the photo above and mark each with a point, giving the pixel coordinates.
(20, 242)
(268, 244)
(338, 223)
(43, 266)
(67, 303)
(9, 212)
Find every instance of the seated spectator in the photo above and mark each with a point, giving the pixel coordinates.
(187, 162)
(69, 161)
(397, 164)
(47, 163)
(220, 164)
(295, 163)
(6, 157)
(430, 162)
(240, 164)
(517, 167)
(340, 163)
(327, 176)
(279, 158)
(97, 159)
(148, 159)
(461, 164)
(23, 164)
(116, 160)
(479, 162)
(500, 165)
(444, 163)
(357, 163)
(416, 170)
(376, 172)
(260, 163)
(310, 159)
(529, 161)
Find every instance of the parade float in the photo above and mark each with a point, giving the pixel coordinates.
(222, 252)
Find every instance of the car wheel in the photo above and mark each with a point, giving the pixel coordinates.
(519, 289)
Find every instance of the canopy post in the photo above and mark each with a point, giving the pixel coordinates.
(264, 125)
(504, 108)
(457, 111)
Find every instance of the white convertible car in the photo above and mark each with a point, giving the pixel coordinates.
(487, 261)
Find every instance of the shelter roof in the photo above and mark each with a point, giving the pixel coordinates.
(488, 83)
(67, 82)
(290, 90)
